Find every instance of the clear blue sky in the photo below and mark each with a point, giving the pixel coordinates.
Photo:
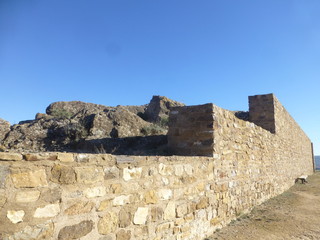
(125, 51)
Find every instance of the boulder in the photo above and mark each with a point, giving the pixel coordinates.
(4, 128)
(159, 107)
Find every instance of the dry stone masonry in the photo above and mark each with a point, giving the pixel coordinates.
(100, 196)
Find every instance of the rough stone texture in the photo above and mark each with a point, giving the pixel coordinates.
(159, 108)
(140, 217)
(4, 156)
(4, 129)
(50, 210)
(30, 179)
(91, 127)
(27, 196)
(157, 197)
(76, 231)
(79, 208)
(4, 171)
(15, 216)
(108, 223)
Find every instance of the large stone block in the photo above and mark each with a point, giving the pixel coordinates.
(15, 216)
(133, 173)
(63, 174)
(50, 210)
(27, 196)
(79, 208)
(5, 156)
(30, 179)
(108, 223)
(76, 231)
(88, 175)
(140, 216)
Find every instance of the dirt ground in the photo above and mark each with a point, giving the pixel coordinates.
(295, 214)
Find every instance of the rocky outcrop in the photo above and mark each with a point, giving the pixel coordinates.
(4, 129)
(159, 108)
(68, 125)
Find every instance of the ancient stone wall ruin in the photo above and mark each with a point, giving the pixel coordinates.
(103, 196)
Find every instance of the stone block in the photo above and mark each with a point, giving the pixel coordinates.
(104, 205)
(156, 214)
(116, 188)
(165, 194)
(123, 235)
(89, 175)
(95, 192)
(4, 171)
(79, 208)
(27, 196)
(76, 231)
(15, 216)
(203, 203)
(40, 231)
(124, 218)
(30, 179)
(133, 173)
(121, 200)
(111, 172)
(170, 211)
(108, 223)
(63, 174)
(65, 157)
(150, 197)
(51, 195)
(5, 156)
(140, 216)
(40, 156)
(182, 210)
(3, 200)
(50, 210)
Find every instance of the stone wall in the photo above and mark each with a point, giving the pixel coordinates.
(107, 197)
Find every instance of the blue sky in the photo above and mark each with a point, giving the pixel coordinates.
(125, 51)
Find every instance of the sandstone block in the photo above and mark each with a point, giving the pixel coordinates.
(27, 196)
(88, 175)
(76, 231)
(40, 231)
(165, 194)
(134, 173)
(79, 208)
(63, 174)
(170, 211)
(104, 205)
(116, 188)
(178, 170)
(15, 216)
(121, 200)
(182, 210)
(165, 170)
(150, 197)
(40, 156)
(5, 156)
(111, 172)
(140, 216)
(4, 171)
(124, 218)
(203, 203)
(123, 235)
(3, 200)
(156, 214)
(50, 210)
(95, 192)
(65, 157)
(164, 226)
(30, 179)
(188, 169)
(108, 223)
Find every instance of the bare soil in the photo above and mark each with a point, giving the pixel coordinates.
(295, 214)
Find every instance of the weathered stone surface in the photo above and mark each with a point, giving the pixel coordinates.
(51, 195)
(88, 175)
(124, 218)
(40, 231)
(30, 179)
(63, 174)
(15, 216)
(111, 172)
(123, 235)
(156, 214)
(182, 210)
(4, 128)
(5, 156)
(3, 200)
(4, 171)
(50, 210)
(203, 203)
(79, 208)
(170, 211)
(134, 173)
(76, 231)
(40, 156)
(150, 197)
(65, 157)
(95, 192)
(27, 196)
(159, 108)
(165, 194)
(108, 223)
(140, 216)
(121, 200)
(104, 205)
